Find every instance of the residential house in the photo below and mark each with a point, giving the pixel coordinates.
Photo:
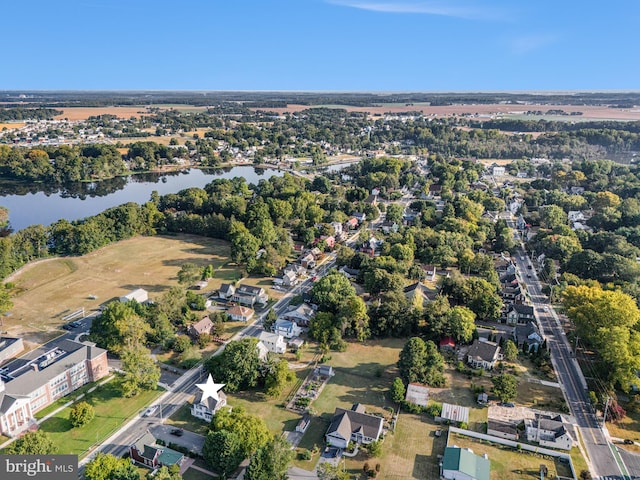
(353, 425)
(519, 314)
(324, 371)
(575, 216)
(371, 200)
(350, 273)
(461, 464)
(502, 429)
(528, 334)
(140, 295)
(301, 314)
(352, 223)
(226, 291)
(409, 216)
(308, 261)
(209, 399)
(249, 295)
(512, 293)
(337, 228)
(329, 241)
(274, 342)
(295, 344)
(549, 431)
(504, 266)
(483, 354)
(360, 217)
(498, 171)
(145, 451)
(317, 253)
(389, 227)
(429, 273)
(434, 191)
(576, 190)
(240, 314)
(447, 344)
(37, 383)
(289, 278)
(417, 294)
(417, 394)
(287, 328)
(203, 326)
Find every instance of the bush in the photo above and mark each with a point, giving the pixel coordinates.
(305, 455)
(81, 413)
(434, 409)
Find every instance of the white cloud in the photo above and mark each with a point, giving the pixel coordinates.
(448, 9)
(529, 43)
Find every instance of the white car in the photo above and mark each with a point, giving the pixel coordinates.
(150, 411)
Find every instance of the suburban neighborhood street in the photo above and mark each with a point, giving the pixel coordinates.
(571, 379)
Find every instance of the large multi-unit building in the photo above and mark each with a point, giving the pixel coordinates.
(39, 382)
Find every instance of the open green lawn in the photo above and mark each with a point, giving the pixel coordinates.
(182, 418)
(73, 396)
(412, 450)
(46, 290)
(509, 464)
(111, 409)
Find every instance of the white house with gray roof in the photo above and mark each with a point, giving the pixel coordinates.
(354, 424)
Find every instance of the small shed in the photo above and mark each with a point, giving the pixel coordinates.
(304, 423)
(140, 295)
(455, 413)
(417, 394)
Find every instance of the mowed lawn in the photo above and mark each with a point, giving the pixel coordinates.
(509, 464)
(111, 409)
(46, 291)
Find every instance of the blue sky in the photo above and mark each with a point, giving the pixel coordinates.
(356, 45)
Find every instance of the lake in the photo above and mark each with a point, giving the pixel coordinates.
(32, 204)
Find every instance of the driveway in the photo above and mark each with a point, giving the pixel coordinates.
(190, 440)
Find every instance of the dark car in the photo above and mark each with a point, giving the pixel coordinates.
(628, 441)
(529, 267)
(177, 432)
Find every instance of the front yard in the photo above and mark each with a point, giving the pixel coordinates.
(111, 409)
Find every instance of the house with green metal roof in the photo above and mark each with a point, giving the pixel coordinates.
(462, 464)
(145, 451)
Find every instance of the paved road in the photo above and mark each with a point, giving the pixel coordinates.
(574, 386)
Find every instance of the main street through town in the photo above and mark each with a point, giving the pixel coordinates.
(602, 456)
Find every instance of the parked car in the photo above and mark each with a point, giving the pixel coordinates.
(150, 411)
(438, 432)
(509, 404)
(177, 432)
(628, 441)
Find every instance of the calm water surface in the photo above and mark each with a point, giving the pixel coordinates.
(29, 205)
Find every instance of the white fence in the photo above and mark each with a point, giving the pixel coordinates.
(510, 443)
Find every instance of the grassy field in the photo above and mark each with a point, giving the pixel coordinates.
(628, 427)
(509, 464)
(412, 450)
(10, 126)
(193, 474)
(73, 396)
(182, 418)
(112, 410)
(47, 290)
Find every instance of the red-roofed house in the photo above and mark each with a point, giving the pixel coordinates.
(448, 344)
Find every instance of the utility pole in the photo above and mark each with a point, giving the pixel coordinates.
(606, 409)
(575, 346)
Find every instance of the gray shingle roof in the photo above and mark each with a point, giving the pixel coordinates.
(346, 422)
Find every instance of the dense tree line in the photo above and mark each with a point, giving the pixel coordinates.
(17, 114)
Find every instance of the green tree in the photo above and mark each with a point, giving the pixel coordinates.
(271, 461)
(328, 471)
(105, 466)
(5, 300)
(238, 366)
(421, 362)
(81, 413)
(397, 390)
(250, 429)
(141, 372)
(118, 327)
(181, 343)
(223, 451)
(269, 320)
(505, 387)
(510, 351)
(166, 473)
(375, 448)
(189, 273)
(277, 378)
(33, 443)
(461, 323)
(329, 292)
